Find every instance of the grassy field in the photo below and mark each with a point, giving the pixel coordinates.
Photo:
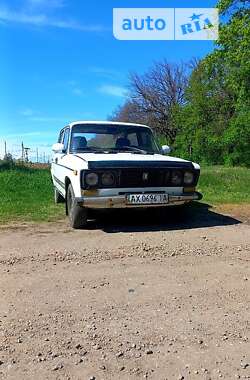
(223, 185)
(26, 194)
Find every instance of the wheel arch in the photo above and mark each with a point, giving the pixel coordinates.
(67, 183)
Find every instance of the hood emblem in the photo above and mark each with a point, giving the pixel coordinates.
(145, 176)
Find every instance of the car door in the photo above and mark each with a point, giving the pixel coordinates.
(54, 163)
(59, 169)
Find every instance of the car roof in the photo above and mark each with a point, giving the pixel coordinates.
(106, 123)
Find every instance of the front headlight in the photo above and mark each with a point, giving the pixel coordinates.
(188, 178)
(91, 179)
(108, 179)
(176, 177)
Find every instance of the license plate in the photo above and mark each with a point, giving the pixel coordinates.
(146, 199)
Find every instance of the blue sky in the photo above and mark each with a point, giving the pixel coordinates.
(60, 62)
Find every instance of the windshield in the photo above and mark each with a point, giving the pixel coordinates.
(112, 139)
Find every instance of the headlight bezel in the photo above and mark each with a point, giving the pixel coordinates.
(87, 175)
(180, 181)
(110, 184)
(188, 183)
(99, 184)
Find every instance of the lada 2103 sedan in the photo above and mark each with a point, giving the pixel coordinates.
(106, 165)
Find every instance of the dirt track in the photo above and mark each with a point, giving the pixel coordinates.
(126, 300)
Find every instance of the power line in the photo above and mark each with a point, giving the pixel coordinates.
(23, 153)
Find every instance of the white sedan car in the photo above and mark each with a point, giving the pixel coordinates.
(109, 165)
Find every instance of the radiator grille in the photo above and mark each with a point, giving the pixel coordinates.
(144, 177)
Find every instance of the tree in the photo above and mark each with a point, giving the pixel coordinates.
(205, 115)
(216, 116)
(8, 157)
(158, 93)
(130, 112)
(230, 6)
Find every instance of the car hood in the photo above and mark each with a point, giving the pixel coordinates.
(132, 159)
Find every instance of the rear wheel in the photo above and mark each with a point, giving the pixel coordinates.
(58, 197)
(77, 214)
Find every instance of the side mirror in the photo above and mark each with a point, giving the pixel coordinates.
(58, 148)
(165, 149)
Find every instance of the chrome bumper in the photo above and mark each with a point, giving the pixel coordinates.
(119, 201)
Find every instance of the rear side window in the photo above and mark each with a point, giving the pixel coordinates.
(66, 139)
(60, 138)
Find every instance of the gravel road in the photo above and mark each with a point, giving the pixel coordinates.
(126, 299)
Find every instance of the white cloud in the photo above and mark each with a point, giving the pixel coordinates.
(61, 119)
(29, 134)
(45, 3)
(42, 20)
(47, 119)
(27, 112)
(75, 88)
(77, 91)
(113, 90)
(104, 72)
(72, 82)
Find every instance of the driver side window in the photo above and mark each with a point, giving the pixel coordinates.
(133, 139)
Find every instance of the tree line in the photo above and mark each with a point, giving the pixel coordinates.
(201, 108)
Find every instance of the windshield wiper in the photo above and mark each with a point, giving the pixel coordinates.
(124, 149)
(129, 149)
(90, 150)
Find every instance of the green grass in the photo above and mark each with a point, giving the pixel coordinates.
(225, 185)
(26, 194)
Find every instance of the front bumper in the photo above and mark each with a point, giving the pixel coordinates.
(119, 201)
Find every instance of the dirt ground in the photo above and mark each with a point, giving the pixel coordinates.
(131, 297)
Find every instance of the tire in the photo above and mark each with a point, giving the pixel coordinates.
(58, 197)
(77, 214)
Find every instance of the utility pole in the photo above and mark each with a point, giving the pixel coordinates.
(37, 159)
(5, 148)
(26, 152)
(22, 152)
(44, 159)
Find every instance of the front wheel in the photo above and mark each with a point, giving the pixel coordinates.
(77, 214)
